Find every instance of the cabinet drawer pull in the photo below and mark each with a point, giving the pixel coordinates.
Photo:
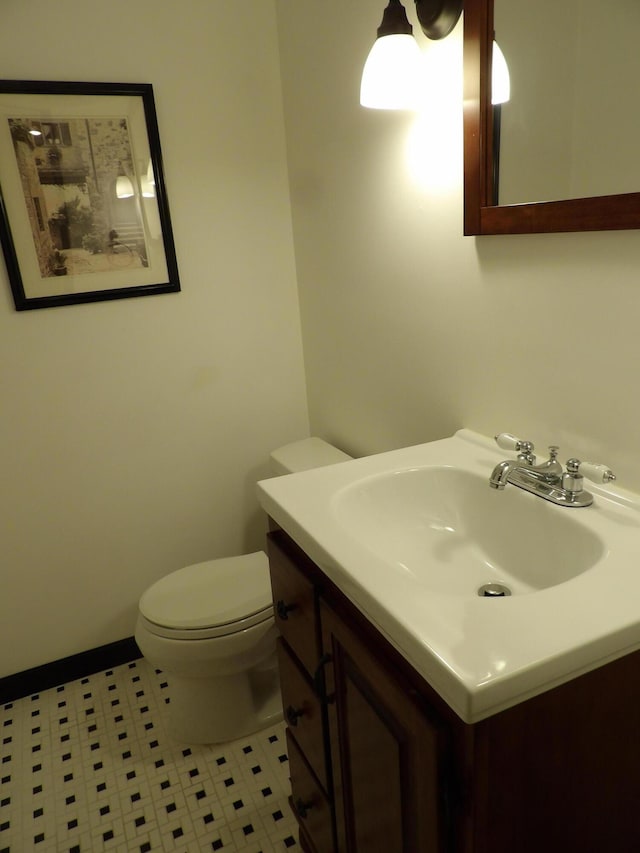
(302, 808)
(283, 610)
(292, 714)
(318, 679)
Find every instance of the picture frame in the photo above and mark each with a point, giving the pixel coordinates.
(84, 215)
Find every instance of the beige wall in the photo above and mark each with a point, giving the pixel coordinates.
(132, 432)
(412, 330)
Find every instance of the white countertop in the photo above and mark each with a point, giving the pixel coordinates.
(480, 655)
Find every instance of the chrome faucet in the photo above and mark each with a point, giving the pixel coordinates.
(548, 480)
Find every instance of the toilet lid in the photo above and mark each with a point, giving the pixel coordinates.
(210, 594)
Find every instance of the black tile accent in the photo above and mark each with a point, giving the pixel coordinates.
(228, 782)
(131, 774)
(98, 765)
(4, 826)
(108, 835)
(238, 804)
(38, 838)
(38, 812)
(193, 773)
(159, 763)
(145, 848)
(208, 818)
(140, 821)
(273, 738)
(266, 792)
(186, 752)
(164, 785)
(72, 824)
(70, 800)
(59, 672)
(178, 832)
(101, 787)
(36, 790)
(248, 829)
(135, 797)
(200, 795)
(126, 754)
(282, 758)
(257, 769)
(247, 749)
(217, 845)
(220, 761)
(289, 841)
(105, 810)
(171, 807)
(67, 777)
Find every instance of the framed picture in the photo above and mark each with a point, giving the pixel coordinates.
(84, 215)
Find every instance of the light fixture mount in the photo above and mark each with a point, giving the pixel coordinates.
(394, 21)
(438, 17)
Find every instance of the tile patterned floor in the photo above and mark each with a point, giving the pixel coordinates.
(88, 767)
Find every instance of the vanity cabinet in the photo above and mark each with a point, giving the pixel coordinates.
(379, 763)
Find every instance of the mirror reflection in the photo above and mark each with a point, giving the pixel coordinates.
(571, 127)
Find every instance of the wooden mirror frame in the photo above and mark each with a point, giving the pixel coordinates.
(599, 213)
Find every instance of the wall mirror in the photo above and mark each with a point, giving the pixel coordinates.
(561, 155)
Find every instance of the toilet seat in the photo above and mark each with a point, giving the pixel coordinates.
(210, 599)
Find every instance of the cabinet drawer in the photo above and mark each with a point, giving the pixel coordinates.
(295, 606)
(302, 712)
(309, 803)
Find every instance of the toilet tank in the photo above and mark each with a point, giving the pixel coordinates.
(305, 454)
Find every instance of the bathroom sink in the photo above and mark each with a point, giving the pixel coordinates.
(447, 530)
(411, 535)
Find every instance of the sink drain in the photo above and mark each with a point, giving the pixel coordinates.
(494, 590)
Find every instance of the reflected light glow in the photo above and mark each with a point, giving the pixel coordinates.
(434, 145)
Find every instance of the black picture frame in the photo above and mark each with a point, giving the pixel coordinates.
(84, 215)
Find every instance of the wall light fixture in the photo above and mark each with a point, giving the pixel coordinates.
(390, 77)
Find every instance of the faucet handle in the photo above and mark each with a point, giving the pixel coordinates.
(592, 471)
(506, 441)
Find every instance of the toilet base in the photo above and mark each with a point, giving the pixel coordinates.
(218, 710)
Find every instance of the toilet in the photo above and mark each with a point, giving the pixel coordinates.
(210, 628)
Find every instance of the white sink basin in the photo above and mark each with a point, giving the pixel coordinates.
(450, 532)
(410, 535)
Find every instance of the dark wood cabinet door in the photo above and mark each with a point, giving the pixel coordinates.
(387, 752)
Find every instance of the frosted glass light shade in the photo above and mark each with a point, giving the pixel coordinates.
(391, 74)
(500, 80)
(124, 187)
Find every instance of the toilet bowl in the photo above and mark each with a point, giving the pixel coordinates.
(210, 628)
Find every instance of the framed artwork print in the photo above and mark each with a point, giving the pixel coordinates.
(84, 215)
